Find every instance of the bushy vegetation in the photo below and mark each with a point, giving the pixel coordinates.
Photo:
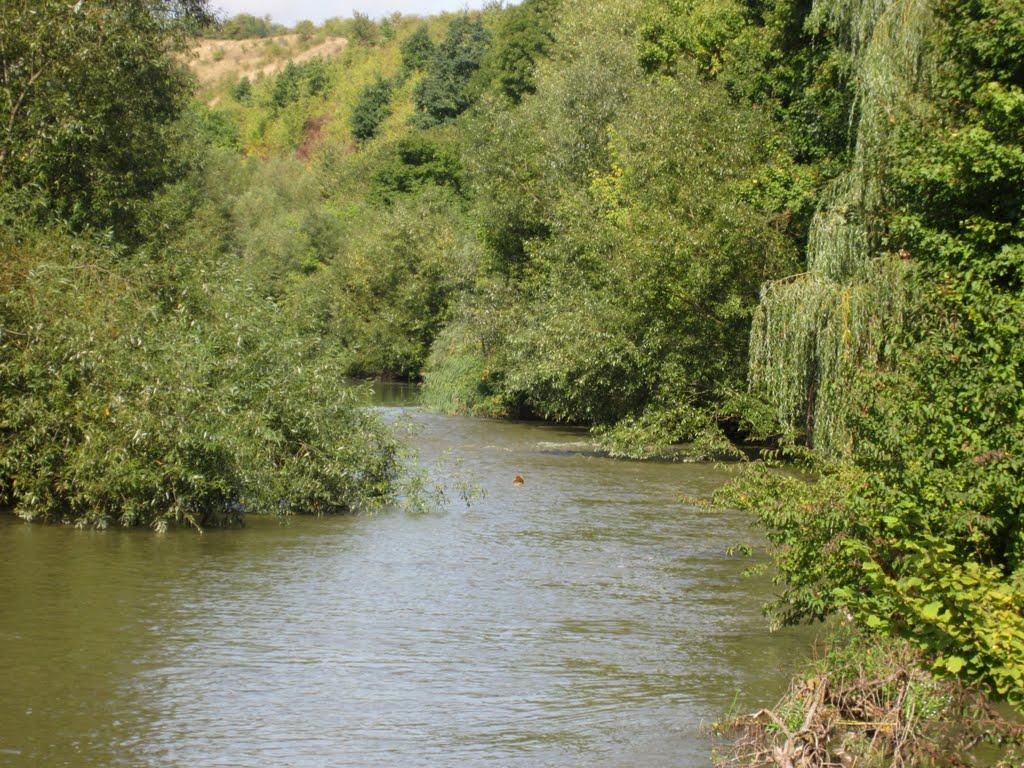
(245, 26)
(141, 390)
(88, 104)
(151, 372)
(912, 522)
(525, 37)
(861, 703)
(609, 279)
(417, 50)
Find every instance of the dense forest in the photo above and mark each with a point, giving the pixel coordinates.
(688, 225)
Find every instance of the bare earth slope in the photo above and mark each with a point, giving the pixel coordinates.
(214, 60)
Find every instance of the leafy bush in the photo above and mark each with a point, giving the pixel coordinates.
(149, 393)
(458, 378)
(388, 294)
(245, 26)
(242, 91)
(525, 35)
(371, 109)
(298, 80)
(362, 29)
(414, 162)
(633, 257)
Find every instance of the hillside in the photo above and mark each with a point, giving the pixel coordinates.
(292, 95)
(216, 61)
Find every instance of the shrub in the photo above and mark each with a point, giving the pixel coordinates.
(371, 109)
(362, 29)
(158, 390)
(387, 295)
(917, 533)
(414, 162)
(525, 36)
(88, 112)
(245, 26)
(242, 92)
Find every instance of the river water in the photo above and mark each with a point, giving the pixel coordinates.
(586, 618)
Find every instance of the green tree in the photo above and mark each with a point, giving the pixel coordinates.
(363, 30)
(417, 50)
(626, 246)
(450, 85)
(242, 91)
(87, 102)
(417, 161)
(245, 26)
(525, 35)
(287, 86)
(371, 109)
(388, 294)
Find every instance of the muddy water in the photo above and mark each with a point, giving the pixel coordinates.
(586, 618)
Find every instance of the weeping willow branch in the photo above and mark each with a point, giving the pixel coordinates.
(813, 331)
(810, 335)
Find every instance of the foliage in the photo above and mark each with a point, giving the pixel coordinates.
(372, 109)
(458, 378)
(920, 527)
(297, 81)
(242, 91)
(629, 292)
(525, 35)
(362, 29)
(450, 84)
(245, 26)
(388, 292)
(147, 390)
(678, 31)
(417, 50)
(87, 102)
(414, 162)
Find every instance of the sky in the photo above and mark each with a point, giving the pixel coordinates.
(290, 11)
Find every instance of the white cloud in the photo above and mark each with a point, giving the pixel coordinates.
(290, 11)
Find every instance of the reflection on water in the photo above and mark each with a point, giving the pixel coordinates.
(586, 618)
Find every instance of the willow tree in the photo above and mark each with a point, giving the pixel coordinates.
(813, 330)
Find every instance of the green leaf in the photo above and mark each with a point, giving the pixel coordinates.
(954, 664)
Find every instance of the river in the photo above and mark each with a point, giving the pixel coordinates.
(586, 618)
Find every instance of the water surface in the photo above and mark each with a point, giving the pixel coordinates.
(587, 618)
